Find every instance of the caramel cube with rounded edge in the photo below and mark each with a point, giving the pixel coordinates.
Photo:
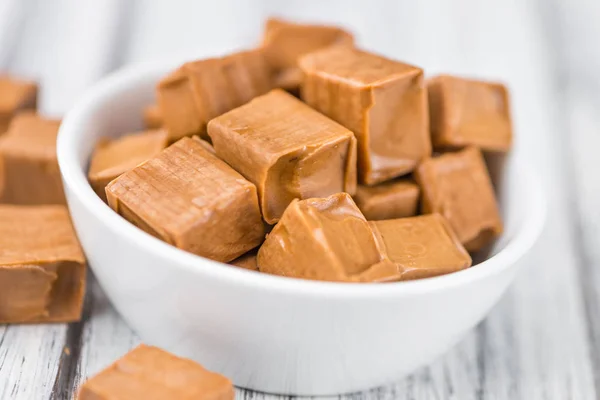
(287, 149)
(153, 118)
(15, 95)
(199, 91)
(388, 200)
(112, 158)
(247, 261)
(42, 267)
(384, 102)
(324, 239)
(422, 246)
(466, 112)
(148, 372)
(457, 185)
(30, 171)
(189, 198)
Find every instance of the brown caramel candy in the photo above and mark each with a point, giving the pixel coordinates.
(394, 199)
(30, 170)
(383, 102)
(15, 95)
(422, 246)
(457, 185)
(148, 372)
(323, 239)
(153, 118)
(189, 198)
(287, 149)
(247, 261)
(465, 112)
(114, 157)
(201, 90)
(42, 267)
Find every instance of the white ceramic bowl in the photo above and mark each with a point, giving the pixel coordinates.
(265, 332)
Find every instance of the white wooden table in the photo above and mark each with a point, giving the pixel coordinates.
(542, 341)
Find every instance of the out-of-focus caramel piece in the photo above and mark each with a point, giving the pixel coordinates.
(287, 149)
(457, 186)
(247, 261)
(384, 102)
(112, 158)
(153, 118)
(199, 91)
(28, 152)
(42, 267)
(422, 246)
(191, 199)
(466, 112)
(324, 239)
(15, 95)
(148, 372)
(388, 200)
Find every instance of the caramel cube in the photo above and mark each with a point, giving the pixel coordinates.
(384, 102)
(287, 149)
(30, 171)
(153, 118)
(42, 267)
(15, 95)
(189, 198)
(389, 200)
(247, 261)
(148, 372)
(465, 112)
(457, 185)
(201, 90)
(112, 158)
(422, 246)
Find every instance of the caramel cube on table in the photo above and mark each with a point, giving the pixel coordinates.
(199, 91)
(30, 173)
(287, 149)
(191, 199)
(15, 95)
(466, 112)
(153, 118)
(42, 267)
(384, 102)
(388, 200)
(457, 185)
(422, 246)
(148, 372)
(112, 158)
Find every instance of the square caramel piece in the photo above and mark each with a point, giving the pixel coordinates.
(191, 199)
(148, 372)
(287, 149)
(322, 239)
(153, 118)
(384, 102)
(422, 246)
(15, 95)
(42, 267)
(466, 112)
(30, 173)
(388, 200)
(112, 158)
(199, 91)
(457, 185)
(247, 261)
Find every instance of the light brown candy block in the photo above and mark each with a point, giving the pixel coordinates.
(42, 267)
(112, 158)
(28, 152)
(466, 112)
(422, 246)
(150, 373)
(189, 198)
(394, 199)
(384, 102)
(201, 90)
(15, 95)
(153, 118)
(288, 150)
(247, 261)
(457, 185)
(322, 239)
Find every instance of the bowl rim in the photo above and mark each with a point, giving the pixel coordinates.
(75, 179)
